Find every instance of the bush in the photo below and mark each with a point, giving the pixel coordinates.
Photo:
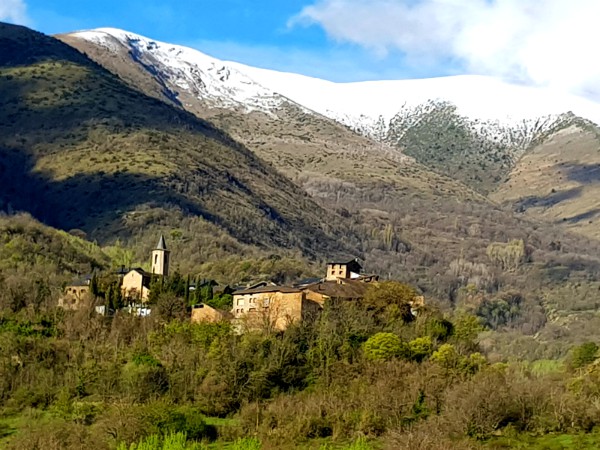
(383, 346)
(172, 441)
(246, 444)
(420, 348)
(583, 355)
(144, 381)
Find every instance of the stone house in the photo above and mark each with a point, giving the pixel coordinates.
(76, 294)
(349, 269)
(270, 307)
(135, 285)
(205, 313)
(267, 306)
(346, 289)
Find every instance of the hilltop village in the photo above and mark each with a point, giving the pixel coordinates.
(260, 305)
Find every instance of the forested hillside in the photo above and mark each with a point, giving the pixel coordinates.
(150, 168)
(503, 354)
(81, 150)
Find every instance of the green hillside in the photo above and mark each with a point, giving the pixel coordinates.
(415, 222)
(81, 150)
(438, 137)
(558, 180)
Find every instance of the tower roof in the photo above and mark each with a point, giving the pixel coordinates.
(161, 243)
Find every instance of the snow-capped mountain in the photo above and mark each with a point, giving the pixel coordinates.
(367, 107)
(184, 69)
(472, 128)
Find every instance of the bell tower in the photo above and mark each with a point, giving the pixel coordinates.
(160, 258)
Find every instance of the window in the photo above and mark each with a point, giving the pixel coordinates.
(240, 302)
(252, 309)
(155, 259)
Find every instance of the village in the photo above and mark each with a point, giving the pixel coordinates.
(263, 305)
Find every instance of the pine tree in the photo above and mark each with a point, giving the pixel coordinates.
(94, 286)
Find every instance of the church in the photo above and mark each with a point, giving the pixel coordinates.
(135, 285)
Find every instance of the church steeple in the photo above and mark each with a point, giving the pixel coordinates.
(160, 258)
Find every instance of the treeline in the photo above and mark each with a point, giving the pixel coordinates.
(371, 369)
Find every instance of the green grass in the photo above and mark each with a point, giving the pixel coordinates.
(548, 442)
(546, 366)
(13, 424)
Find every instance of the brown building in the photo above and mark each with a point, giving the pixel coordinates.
(206, 313)
(76, 294)
(135, 285)
(349, 269)
(270, 307)
(341, 289)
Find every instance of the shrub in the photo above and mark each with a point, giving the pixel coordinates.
(420, 348)
(383, 346)
(246, 444)
(172, 441)
(446, 356)
(391, 297)
(583, 355)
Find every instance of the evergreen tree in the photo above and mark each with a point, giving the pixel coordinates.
(94, 285)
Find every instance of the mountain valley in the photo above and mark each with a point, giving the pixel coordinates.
(146, 137)
(201, 254)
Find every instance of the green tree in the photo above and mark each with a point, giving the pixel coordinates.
(391, 298)
(446, 356)
(383, 346)
(94, 285)
(223, 301)
(420, 348)
(583, 354)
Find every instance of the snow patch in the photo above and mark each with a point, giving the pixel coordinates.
(495, 108)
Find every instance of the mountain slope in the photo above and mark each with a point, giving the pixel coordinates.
(558, 180)
(473, 128)
(327, 158)
(416, 222)
(80, 149)
(415, 225)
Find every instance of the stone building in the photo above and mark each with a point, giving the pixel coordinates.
(270, 307)
(160, 258)
(135, 285)
(349, 269)
(205, 313)
(276, 307)
(347, 289)
(76, 294)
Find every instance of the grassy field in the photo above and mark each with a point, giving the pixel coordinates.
(548, 442)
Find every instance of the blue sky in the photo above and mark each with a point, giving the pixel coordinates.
(257, 32)
(544, 43)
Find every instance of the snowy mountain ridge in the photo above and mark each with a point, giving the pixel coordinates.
(205, 77)
(494, 109)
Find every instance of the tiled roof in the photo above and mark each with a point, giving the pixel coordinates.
(345, 288)
(267, 289)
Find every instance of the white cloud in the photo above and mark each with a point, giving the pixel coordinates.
(13, 11)
(543, 42)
